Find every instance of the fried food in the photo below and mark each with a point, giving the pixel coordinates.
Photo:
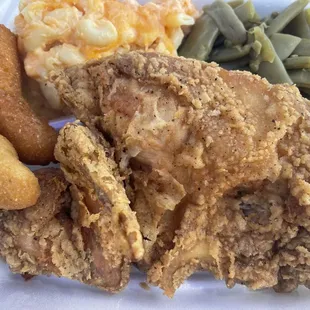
(10, 68)
(19, 188)
(219, 165)
(32, 137)
(50, 238)
(101, 204)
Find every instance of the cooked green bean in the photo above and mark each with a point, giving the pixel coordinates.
(300, 77)
(229, 54)
(229, 44)
(283, 19)
(246, 12)
(299, 26)
(238, 64)
(265, 60)
(300, 62)
(200, 41)
(307, 15)
(234, 4)
(284, 44)
(262, 48)
(303, 48)
(274, 72)
(228, 22)
(267, 20)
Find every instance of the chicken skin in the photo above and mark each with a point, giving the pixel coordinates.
(57, 236)
(100, 203)
(217, 164)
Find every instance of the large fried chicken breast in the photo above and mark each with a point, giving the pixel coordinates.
(217, 162)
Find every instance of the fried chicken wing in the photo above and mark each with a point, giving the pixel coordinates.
(50, 238)
(218, 163)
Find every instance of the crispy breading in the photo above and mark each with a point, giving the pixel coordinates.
(219, 165)
(101, 204)
(55, 237)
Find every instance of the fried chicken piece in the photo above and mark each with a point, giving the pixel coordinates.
(102, 206)
(37, 240)
(219, 165)
(48, 238)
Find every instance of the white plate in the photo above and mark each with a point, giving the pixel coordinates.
(201, 291)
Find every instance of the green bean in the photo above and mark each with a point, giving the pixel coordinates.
(228, 22)
(284, 44)
(255, 21)
(246, 12)
(237, 64)
(282, 20)
(248, 15)
(262, 48)
(303, 48)
(229, 44)
(302, 62)
(265, 60)
(274, 72)
(229, 54)
(299, 26)
(234, 4)
(200, 41)
(300, 77)
(307, 15)
(267, 20)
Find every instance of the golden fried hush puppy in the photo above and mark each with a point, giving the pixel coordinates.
(19, 188)
(32, 137)
(10, 68)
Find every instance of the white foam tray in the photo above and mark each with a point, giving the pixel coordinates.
(201, 291)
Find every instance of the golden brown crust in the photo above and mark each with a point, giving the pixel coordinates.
(31, 136)
(235, 148)
(10, 69)
(101, 205)
(19, 188)
(50, 239)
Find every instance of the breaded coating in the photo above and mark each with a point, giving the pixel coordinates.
(51, 239)
(218, 162)
(32, 137)
(10, 67)
(19, 188)
(100, 202)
